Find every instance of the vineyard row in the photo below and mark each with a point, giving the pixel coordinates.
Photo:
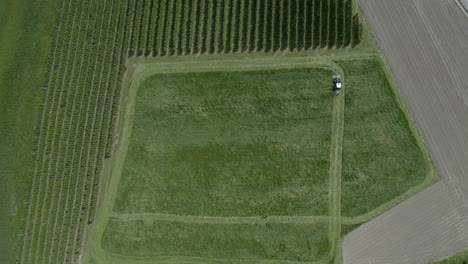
(181, 27)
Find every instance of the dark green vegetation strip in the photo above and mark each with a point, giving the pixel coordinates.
(25, 38)
(230, 144)
(381, 157)
(460, 258)
(280, 24)
(74, 128)
(293, 242)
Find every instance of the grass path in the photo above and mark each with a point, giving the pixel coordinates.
(125, 259)
(222, 220)
(336, 151)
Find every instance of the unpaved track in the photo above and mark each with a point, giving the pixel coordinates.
(425, 44)
(336, 154)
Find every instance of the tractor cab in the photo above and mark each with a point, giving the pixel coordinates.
(337, 86)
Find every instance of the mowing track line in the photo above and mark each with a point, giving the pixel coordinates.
(223, 220)
(336, 151)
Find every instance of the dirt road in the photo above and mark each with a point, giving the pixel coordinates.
(425, 43)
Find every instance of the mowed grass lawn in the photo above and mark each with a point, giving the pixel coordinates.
(381, 157)
(256, 143)
(230, 144)
(253, 143)
(284, 242)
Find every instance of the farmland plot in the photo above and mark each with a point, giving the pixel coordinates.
(380, 150)
(274, 243)
(72, 136)
(242, 154)
(215, 147)
(75, 132)
(230, 144)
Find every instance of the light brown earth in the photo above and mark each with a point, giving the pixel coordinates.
(426, 45)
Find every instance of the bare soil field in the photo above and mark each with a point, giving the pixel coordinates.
(426, 50)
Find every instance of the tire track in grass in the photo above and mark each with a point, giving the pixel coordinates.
(224, 219)
(129, 259)
(335, 173)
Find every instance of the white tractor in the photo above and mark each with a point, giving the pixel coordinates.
(337, 86)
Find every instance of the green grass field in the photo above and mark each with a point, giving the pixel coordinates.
(227, 144)
(381, 156)
(260, 241)
(230, 144)
(214, 151)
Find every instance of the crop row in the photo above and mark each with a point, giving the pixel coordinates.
(180, 27)
(74, 131)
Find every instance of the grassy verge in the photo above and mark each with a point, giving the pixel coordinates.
(26, 33)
